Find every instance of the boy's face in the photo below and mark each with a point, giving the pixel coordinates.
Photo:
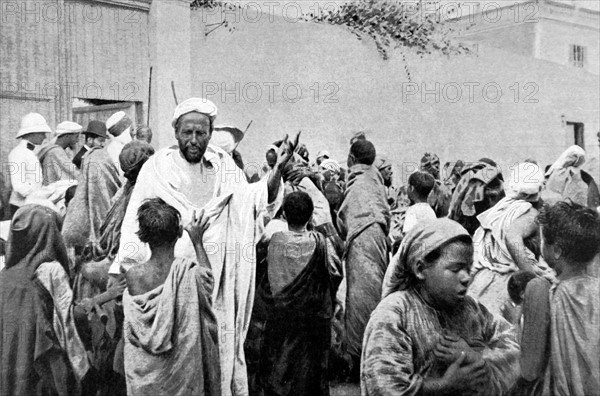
(387, 174)
(446, 280)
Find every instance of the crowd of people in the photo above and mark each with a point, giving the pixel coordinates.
(181, 271)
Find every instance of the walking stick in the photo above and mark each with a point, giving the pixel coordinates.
(149, 97)
(174, 94)
(248, 127)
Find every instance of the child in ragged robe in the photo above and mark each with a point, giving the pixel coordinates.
(170, 331)
(426, 336)
(300, 287)
(570, 245)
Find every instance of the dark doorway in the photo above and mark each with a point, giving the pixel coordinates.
(578, 133)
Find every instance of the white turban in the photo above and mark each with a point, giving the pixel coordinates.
(573, 156)
(330, 165)
(68, 127)
(526, 178)
(198, 105)
(224, 140)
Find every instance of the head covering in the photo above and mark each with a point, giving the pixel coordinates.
(565, 179)
(226, 137)
(198, 105)
(358, 136)
(457, 168)
(382, 162)
(34, 238)
(142, 130)
(237, 133)
(421, 240)
(27, 315)
(33, 123)
(323, 154)
(430, 163)
(573, 156)
(488, 161)
(330, 165)
(118, 123)
(526, 178)
(479, 188)
(133, 156)
(97, 128)
(68, 127)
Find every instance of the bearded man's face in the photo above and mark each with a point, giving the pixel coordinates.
(193, 132)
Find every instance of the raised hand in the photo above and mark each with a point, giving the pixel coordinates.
(197, 226)
(286, 150)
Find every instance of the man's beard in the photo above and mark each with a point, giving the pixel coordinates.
(192, 158)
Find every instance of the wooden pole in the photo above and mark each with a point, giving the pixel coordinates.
(174, 94)
(149, 97)
(248, 127)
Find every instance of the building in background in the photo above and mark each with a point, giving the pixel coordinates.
(566, 32)
(529, 90)
(86, 59)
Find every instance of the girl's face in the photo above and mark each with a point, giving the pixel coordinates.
(445, 281)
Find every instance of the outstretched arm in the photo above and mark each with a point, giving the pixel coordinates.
(196, 228)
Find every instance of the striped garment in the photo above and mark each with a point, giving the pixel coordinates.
(402, 334)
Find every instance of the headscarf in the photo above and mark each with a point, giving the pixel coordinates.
(224, 140)
(574, 156)
(455, 172)
(28, 334)
(133, 156)
(430, 163)
(421, 240)
(34, 238)
(330, 165)
(564, 178)
(471, 188)
(525, 179)
(382, 162)
(358, 136)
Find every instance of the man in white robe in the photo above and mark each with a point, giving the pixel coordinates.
(119, 126)
(197, 175)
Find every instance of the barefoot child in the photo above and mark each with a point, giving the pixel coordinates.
(570, 245)
(301, 287)
(170, 331)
